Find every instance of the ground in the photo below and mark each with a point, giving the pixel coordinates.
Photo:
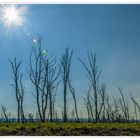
(68, 129)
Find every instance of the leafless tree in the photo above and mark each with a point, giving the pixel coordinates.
(35, 72)
(108, 108)
(22, 92)
(116, 110)
(4, 113)
(54, 112)
(50, 76)
(101, 105)
(94, 75)
(124, 106)
(43, 74)
(72, 90)
(19, 89)
(88, 105)
(65, 72)
(136, 106)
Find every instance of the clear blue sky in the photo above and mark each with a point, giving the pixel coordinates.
(112, 31)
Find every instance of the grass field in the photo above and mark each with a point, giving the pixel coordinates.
(68, 129)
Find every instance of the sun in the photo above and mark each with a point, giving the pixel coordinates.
(12, 15)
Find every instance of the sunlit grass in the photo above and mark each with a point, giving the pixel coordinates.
(76, 129)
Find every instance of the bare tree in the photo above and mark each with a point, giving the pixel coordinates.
(35, 72)
(72, 90)
(94, 75)
(102, 93)
(4, 113)
(54, 112)
(88, 105)
(116, 110)
(136, 106)
(43, 74)
(124, 106)
(22, 92)
(108, 108)
(50, 76)
(19, 90)
(65, 65)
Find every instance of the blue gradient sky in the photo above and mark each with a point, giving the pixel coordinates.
(112, 31)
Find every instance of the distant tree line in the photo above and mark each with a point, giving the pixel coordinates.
(46, 75)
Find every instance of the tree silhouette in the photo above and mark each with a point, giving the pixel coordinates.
(65, 73)
(18, 86)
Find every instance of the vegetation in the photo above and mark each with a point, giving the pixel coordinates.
(70, 129)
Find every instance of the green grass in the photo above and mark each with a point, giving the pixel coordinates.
(68, 129)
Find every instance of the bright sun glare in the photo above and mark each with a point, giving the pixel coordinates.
(13, 15)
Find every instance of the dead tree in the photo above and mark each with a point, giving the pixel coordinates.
(48, 86)
(93, 75)
(4, 113)
(88, 105)
(136, 106)
(35, 71)
(19, 92)
(108, 109)
(43, 74)
(72, 90)
(102, 93)
(65, 72)
(116, 110)
(54, 112)
(124, 106)
(86, 102)
(50, 77)
(22, 92)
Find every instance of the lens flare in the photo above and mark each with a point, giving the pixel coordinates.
(12, 15)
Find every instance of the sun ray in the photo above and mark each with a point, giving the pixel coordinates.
(12, 15)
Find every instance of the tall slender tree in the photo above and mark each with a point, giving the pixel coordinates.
(43, 74)
(65, 73)
(19, 90)
(72, 90)
(124, 106)
(35, 71)
(94, 77)
(4, 113)
(136, 106)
